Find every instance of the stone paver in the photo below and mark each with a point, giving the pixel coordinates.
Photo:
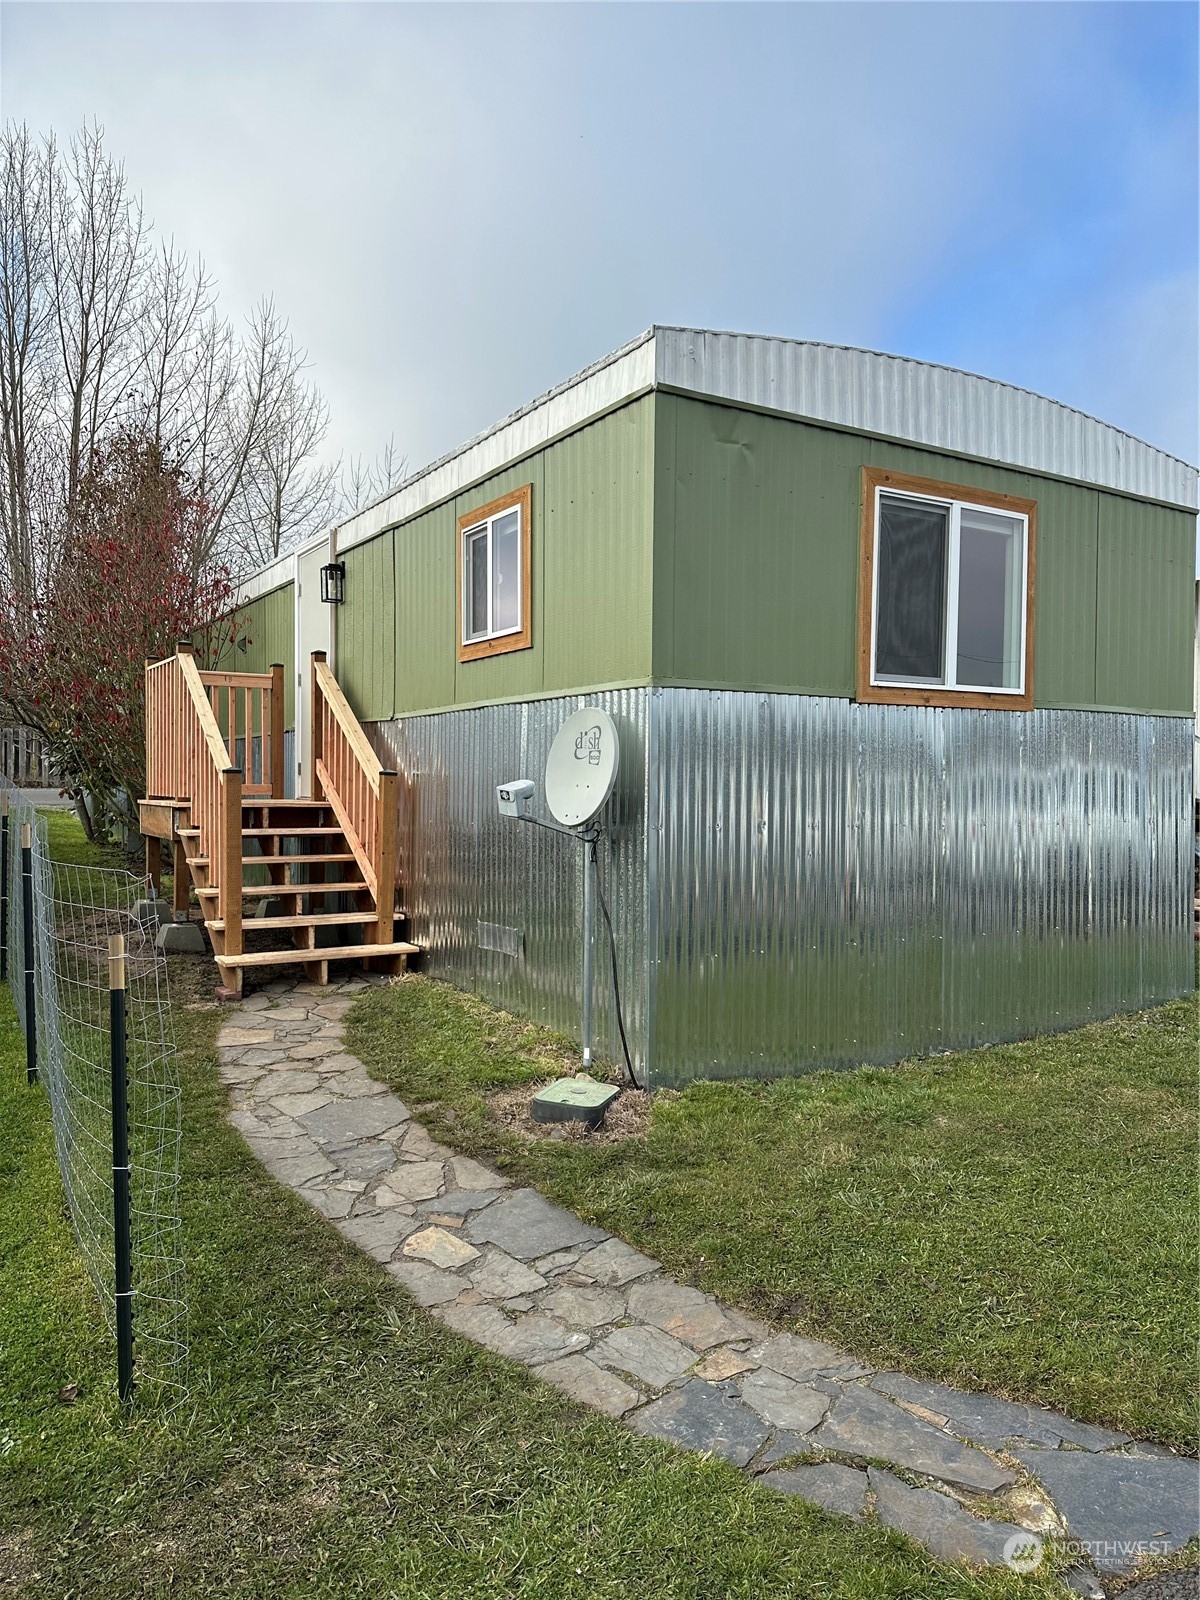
(1120, 1506)
(583, 1307)
(459, 1202)
(725, 1363)
(700, 1416)
(647, 1353)
(468, 1174)
(939, 1522)
(440, 1248)
(583, 1380)
(343, 1121)
(783, 1402)
(416, 1180)
(614, 1263)
(603, 1323)
(428, 1285)
(531, 1338)
(828, 1485)
(805, 1359)
(380, 1235)
(996, 1424)
(864, 1424)
(683, 1313)
(500, 1277)
(525, 1225)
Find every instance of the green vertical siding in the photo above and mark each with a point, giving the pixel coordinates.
(268, 631)
(1064, 605)
(424, 599)
(592, 511)
(366, 629)
(755, 571)
(756, 564)
(1144, 617)
(598, 510)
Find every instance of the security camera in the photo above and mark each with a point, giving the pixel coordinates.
(515, 799)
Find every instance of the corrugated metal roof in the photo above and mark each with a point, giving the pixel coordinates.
(863, 390)
(899, 398)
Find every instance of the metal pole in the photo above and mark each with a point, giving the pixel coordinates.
(3, 886)
(122, 1253)
(27, 936)
(589, 917)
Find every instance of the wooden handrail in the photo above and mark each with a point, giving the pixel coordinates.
(360, 790)
(246, 705)
(202, 706)
(188, 762)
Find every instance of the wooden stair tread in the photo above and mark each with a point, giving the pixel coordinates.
(250, 890)
(260, 861)
(289, 831)
(260, 802)
(331, 952)
(316, 919)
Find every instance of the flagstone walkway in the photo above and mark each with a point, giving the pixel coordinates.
(605, 1324)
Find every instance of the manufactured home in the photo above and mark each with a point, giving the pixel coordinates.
(900, 660)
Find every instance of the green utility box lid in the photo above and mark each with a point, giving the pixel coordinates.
(573, 1100)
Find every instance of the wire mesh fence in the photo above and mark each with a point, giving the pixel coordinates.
(76, 911)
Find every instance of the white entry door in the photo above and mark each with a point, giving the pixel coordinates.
(314, 631)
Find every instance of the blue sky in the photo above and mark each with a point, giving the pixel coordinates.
(459, 206)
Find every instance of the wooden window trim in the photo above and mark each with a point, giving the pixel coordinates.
(502, 644)
(881, 694)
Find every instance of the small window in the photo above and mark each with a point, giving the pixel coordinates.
(946, 597)
(494, 587)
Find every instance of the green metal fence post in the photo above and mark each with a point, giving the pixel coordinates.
(122, 1253)
(27, 938)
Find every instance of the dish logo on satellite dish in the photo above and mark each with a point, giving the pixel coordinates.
(588, 746)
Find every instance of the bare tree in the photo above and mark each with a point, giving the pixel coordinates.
(364, 483)
(100, 327)
(26, 314)
(96, 237)
(175, 307)
(288, 494)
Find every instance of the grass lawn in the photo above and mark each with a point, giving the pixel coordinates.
(1020, 1219)
(337, 1441)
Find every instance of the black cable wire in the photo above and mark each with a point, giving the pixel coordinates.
(612, 947)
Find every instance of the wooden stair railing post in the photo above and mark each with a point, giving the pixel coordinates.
(316, 718)
(277, 692)
(385, 859)
(150, 706)
(229, 866)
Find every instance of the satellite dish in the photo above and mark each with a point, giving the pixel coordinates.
(581, 768)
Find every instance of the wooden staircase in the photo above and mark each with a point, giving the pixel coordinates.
(311, 881)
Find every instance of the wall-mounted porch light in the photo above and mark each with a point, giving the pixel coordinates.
(333, 583)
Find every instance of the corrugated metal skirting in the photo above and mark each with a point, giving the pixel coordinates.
(462, 864)
(836, 883)
(799, 882)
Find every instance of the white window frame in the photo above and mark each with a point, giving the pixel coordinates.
(949, 683)
(468, 534)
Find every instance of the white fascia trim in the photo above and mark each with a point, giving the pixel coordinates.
(627, 372)
(276, 575)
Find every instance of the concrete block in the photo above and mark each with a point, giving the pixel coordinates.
(181, 939)
(151, 913)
